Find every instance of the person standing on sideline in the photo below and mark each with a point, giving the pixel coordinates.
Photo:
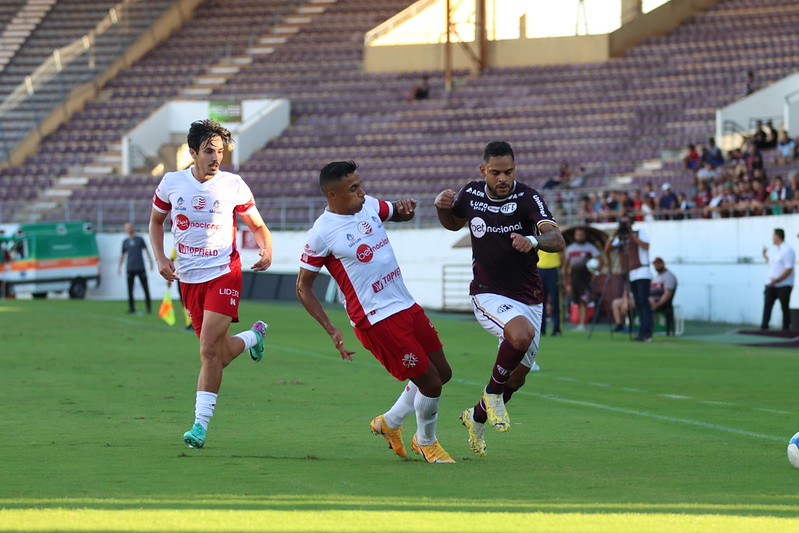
(508, 221)
(350, 240)
(549, 265)
(132, 248)
(633, 249)
(780, 259)
(202, 202)
(577, 274)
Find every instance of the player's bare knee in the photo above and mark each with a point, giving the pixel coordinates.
(521, 340)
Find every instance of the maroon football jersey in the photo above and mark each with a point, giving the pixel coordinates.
(497, 267)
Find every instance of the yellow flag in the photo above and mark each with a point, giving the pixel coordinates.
(167, 312)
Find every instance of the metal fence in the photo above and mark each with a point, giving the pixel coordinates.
(110, 215)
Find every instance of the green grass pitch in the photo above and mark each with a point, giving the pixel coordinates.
(676, 435)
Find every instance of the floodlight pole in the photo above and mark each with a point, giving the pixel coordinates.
(448, 49)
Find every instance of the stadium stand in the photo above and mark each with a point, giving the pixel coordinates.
(610, 117)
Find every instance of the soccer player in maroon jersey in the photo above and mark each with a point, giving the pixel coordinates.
(350, 240)
(202, 202)
(508, 221)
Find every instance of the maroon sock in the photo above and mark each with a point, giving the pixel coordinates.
(508, 358)
(480, 412)
(507, 394)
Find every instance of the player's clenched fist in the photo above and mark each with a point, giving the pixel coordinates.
(445, 199)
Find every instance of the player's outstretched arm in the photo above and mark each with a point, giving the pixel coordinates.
(311, 303)
(404, 210)
(263, 238)
(444, 202)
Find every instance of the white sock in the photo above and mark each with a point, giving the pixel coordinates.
(249, 337)
(426, 418)
(204, 407)
(402, 407)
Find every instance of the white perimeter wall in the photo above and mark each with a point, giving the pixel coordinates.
(717, 262)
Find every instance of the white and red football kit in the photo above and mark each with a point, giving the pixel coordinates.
(356, 251)
(203, 217)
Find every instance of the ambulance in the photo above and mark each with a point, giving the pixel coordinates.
(45, 257)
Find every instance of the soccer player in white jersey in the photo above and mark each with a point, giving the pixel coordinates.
(202, 202)
(349, 239)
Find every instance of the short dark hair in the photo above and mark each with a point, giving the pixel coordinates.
(201, 131)
(333, 172)
(780, 233)
(497, 149)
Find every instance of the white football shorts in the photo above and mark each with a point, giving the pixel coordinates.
(494, 311)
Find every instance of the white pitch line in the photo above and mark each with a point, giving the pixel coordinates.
(559, 399)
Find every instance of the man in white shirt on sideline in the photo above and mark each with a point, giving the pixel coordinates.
(780, 259)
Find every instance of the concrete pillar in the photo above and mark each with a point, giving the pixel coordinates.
(630, 10)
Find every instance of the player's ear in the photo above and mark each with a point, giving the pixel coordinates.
(482, 169)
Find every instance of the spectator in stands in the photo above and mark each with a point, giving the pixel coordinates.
(753, 159)
(717, 201)
(684, 206)
(713, 153)
(750, 84)
(564, 174)
(758, 137)
(777, 196)
(708, 172)
(770, 140)
(786, 149)
(702, 197)
(667, 205)
(649, 190)
(586, 210)
(648, 209)
(691, 159)
(579, 179)
(422, 90)
(780, 258)
(791, 194)
(577, 275)
(638, 204)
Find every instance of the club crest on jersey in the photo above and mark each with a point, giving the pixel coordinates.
(364, 227)
(198, 202)
(508, 208)
(410, 360)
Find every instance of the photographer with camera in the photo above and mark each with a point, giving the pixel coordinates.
(632, 246)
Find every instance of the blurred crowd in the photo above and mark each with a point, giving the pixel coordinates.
(733, 186)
